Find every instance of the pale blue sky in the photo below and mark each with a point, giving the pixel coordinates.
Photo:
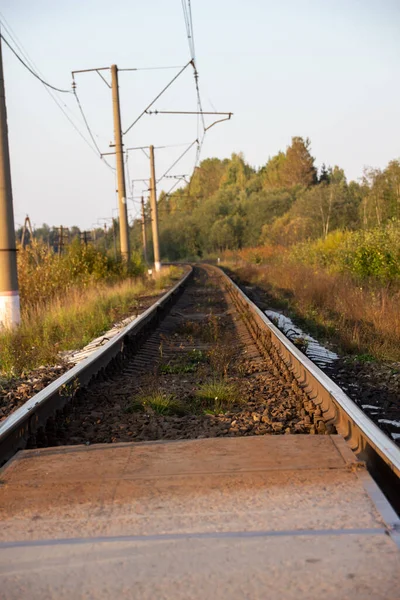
(326, 69)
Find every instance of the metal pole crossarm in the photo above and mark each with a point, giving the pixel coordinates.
(185, 112)
(157, 97)
(138, 148)
(73, 73)
(228, 115)
(90, 70)
(159, 147)
(152, 68)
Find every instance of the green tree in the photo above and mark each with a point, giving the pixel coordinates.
(272, 174)
(298, 168)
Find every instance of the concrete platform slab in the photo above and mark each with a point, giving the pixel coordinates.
(260, 517)
(301, 568)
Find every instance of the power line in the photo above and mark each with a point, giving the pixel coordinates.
(31, 70)
(89, 130)
(189, 26)
(61, 105)
(157, 97)
(188, 18)
(177, 160)
(172, 188)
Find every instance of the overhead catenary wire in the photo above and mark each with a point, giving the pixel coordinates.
(157, 97)
(177, 160)
(61, 105)
(89, 130)
(201, 125)
(187, 15)
(130, 182)
(173, 187)
(188, 18)
(53, 87)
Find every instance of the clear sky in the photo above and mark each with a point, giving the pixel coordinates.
(323, 69)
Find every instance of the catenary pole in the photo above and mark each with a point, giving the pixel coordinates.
(144, 236)
(10, 315)
(123, 213)
(154, 216)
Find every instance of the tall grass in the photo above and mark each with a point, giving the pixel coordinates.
(43, 274)
(371, 254)
(364, 318)
(71, 319)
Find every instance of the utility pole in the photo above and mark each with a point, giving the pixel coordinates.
(27, 226)
(154, 215)
(60, 240)
(123, 213)
(144, 236)
(10, 315)
(114, 238)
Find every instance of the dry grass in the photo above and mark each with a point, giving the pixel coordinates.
(71, 320)
(363, 319)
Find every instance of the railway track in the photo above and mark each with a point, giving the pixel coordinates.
(204, 361)
(207, 504)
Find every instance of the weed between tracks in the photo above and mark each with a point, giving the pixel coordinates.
(218, 396)
(157, 402)
(208, 380)
(189, 363)
(212, 397)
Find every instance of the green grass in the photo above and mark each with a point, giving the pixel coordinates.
(159, 402)
(188, 364)
(217, 396)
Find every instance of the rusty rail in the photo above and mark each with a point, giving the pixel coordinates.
(367, 441)
(16, 429)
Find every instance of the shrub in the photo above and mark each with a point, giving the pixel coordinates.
(43, 274)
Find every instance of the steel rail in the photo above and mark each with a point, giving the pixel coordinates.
(367, 441)
(18, 427)
(363, 436)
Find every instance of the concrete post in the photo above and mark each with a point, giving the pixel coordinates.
(144, 236)
(154, 215)
(123, 212)
(10, 315)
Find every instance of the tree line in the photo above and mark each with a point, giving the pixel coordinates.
(228, 204)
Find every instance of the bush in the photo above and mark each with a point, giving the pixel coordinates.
(373, 253)
(43, 274)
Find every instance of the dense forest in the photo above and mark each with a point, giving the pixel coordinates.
(230, 205)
